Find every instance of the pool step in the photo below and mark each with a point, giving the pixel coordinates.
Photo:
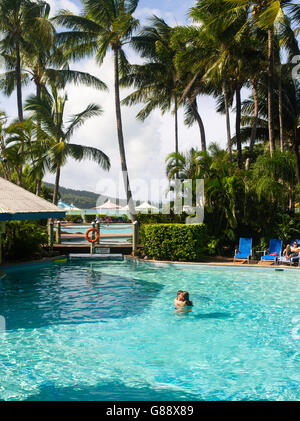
(97, 256)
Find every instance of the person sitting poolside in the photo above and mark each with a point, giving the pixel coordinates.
(291, 250)
(183, 300)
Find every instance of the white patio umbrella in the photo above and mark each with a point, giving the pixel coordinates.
(108, 205)
(145, 207)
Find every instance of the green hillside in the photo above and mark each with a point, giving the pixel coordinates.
(83, 199)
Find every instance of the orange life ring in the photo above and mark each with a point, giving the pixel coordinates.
(89, 239)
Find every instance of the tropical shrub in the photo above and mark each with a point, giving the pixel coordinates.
(175, 242)
(161, 218)
(125, 217)
(73, 219)
(90, 218)
(23, 240)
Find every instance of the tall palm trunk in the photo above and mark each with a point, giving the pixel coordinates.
(176, 123)
(20, 105)
(228, 130)
(296, 152)
(176, 129)
(19, 83)
(5, 166)
(280, 109)
(254, 126)
(121, 138)
(194, 108)
(56, 185)
(238, 126)
(271, 88)
(38, 186)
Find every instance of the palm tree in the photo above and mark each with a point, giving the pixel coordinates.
(49, 111)
(104, 25)
(290, 115)
(156, 81)
(223, 60)
(221, 187)
(266, 14)
(190, 60)
(19, 19)
(275, 177)
(47, 64)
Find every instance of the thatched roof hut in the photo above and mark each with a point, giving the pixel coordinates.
(17, 203)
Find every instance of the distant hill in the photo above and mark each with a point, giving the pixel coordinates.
(84, 199)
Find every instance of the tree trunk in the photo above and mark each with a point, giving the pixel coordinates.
(38, 185)
(5, 171)
(56, 185)
(176, 124)
(5, 166)
(271, 88)
(121, 139)
(228, 130)
(254, 127)
(280, 110)
(296, 152)
(238, 126)
(176, 130)
(19, 83)
(193, 105)
(20, 105)
(19, 171)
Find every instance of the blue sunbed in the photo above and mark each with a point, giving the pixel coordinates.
(275, 247)
(245, 250)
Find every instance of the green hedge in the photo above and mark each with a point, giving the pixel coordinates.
(175, 242)
(161, 218)
(75, 219)
(23, 240)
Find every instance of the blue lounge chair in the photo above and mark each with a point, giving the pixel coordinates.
(245, 250)
(275, 247)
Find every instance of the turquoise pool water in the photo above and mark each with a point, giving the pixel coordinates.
(104, 229)
(108, 331)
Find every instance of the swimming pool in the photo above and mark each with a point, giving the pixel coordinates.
(104, 229)
(108, 331)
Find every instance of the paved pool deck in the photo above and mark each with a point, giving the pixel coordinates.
(221, 261)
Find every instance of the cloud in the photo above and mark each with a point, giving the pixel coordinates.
(57, 5)
(144, 13)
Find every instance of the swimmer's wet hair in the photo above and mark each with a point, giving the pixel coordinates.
(179, 291)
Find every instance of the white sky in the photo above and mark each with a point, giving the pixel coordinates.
(147, 144)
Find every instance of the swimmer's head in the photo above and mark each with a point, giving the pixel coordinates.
(185, 296)
(179, 292)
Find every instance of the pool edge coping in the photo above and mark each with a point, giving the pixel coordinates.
(213, 264)
(33, 262)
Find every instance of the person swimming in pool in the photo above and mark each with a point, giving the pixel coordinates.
(183, 299)
(178, 298)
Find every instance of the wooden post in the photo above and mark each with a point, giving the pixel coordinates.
(92, 247)
(50, 233)
(98, 229)
(135, 237)
(58, 233)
